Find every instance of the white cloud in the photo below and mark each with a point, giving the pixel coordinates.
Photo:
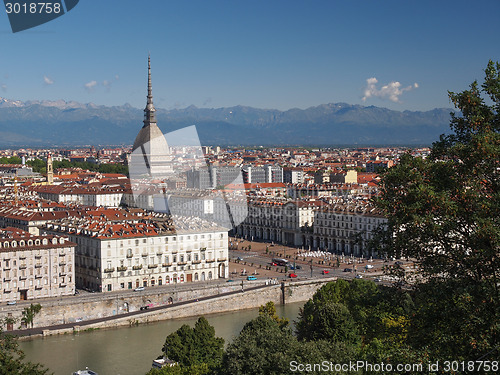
(47, 80)
(391, 91)
(4, 88)
(89, 86)
(107, 83)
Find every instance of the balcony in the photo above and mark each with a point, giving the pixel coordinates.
(62, 254)
(166, 264)
(159, 253)
(38, 265)
(221, 259)
(62, 285)
(6, 279)
(129, 255)
(203, 249)
(109, 270)
(22, 266)
(38, 257)
(121, 269)
(135, 268)
(62, 263)
(181, 263)
(62, 273)
(23, 277)
(152, 266)
(144, 255)
(210, 260)
(38, 276)
(38, 287)
(196, 261)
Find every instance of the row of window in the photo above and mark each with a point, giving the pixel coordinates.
(8, 285)
(30, 242)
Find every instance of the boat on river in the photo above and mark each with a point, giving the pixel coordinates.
(85, 372)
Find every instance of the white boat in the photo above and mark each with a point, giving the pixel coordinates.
(163, 362)
(85, 372)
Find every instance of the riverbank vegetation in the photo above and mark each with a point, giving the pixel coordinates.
(12, 359)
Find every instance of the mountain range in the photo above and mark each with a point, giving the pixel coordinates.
(61, 123)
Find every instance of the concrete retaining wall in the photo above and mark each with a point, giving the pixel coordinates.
(96, 306)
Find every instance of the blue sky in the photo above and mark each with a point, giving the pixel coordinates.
(269, 54)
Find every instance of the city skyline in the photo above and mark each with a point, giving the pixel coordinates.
(280, 55)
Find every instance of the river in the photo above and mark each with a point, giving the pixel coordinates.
(128, 351)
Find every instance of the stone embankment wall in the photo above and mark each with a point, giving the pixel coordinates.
(84, 308)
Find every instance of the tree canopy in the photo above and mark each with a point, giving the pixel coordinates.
(12, 358)
(196, 350)
(444, 212)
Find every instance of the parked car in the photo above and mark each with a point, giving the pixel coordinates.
(11, 302)
(229, 281)
(139, 289)
(369, 266)
(325, 272)
(347, 269)
(250, 278)
(359, 276)
(377, 280)
(292, 276)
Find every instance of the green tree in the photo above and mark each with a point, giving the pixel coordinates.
(36, 164)
(357, 296)
(29, 314)
(330, 321)
(196, 350)
(263, 347)
(11, 160)
(269, 309)
(444, 212)
(12, 358)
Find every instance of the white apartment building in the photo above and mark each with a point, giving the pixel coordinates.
(345, 229)
(279, 220)
(35, 266)
(122, 256)
(313, 224)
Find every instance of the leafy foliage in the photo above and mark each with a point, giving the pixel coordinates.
(29, 314)
(196, 350)
(264, 347)
(269, 309)
(11, 160)
(12, 358)
(444, 212)
(39, 165)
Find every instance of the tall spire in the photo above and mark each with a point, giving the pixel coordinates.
(149, 111)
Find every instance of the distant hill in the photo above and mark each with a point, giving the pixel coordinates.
(61, 123)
